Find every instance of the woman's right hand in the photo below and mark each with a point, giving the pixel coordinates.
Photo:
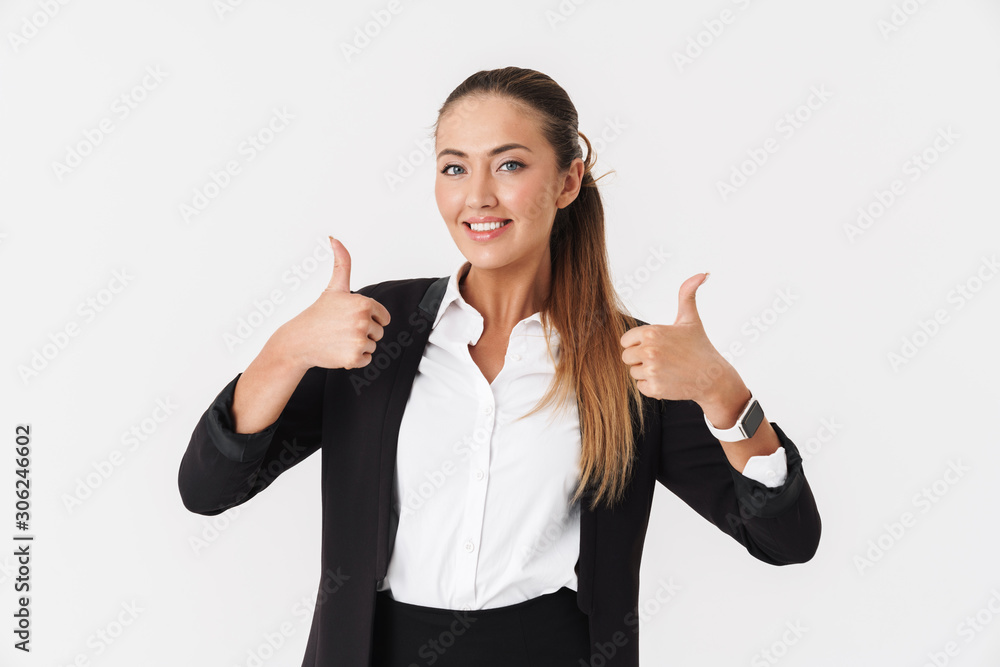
(340, 329)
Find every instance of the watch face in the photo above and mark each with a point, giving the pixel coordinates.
(755, 415)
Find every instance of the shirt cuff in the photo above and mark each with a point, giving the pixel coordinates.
(770, 470)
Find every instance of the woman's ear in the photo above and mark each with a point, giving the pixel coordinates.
(572, 182)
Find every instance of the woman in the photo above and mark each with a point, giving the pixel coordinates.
(491, 439)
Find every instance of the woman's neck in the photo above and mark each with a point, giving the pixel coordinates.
(507, 295)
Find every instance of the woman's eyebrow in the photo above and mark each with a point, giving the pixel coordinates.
(495, 151)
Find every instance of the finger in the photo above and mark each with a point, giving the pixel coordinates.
(369, 347)
(340, 281)
(375, 332)
(633, 336)
(365, 356)
(630, 355)
(380, 313)
(687, 309)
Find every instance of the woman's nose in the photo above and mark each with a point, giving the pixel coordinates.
(480, 191)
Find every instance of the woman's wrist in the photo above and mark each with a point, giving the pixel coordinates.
(722, 407)
(283, 354)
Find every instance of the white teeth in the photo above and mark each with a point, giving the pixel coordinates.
(486, 226)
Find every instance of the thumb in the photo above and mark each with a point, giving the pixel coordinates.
(687, 309)
(340, 281)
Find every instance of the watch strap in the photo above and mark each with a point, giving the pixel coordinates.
(746, 425)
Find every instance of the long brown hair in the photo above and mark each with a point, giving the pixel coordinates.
(582, 304)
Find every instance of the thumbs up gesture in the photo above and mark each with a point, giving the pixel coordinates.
(340, 329)
(677, 361)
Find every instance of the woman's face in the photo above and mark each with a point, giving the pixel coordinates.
(494, 164)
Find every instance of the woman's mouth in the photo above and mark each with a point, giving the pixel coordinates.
(485, 226)
(485, 231)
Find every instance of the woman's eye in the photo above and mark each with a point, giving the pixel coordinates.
(517, 165)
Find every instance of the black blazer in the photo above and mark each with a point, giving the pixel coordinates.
(353, 416)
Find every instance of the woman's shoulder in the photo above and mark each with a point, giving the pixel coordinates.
(407, 293)
(399, 286)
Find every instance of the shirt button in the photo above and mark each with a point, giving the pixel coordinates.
(487, 409)
(479, 474)
(466, 608)
(515, 357)
(469, 546)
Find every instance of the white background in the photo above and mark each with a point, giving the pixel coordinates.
(672, 132)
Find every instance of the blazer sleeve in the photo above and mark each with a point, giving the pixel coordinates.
(221, 469)
(779, 525)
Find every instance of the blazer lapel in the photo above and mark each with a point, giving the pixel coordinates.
(419, 321)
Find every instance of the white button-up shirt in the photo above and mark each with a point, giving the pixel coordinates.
(482, 498)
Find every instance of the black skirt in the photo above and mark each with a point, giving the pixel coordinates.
(549, 630)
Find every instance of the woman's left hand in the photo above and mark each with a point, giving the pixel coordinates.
(677, 361)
